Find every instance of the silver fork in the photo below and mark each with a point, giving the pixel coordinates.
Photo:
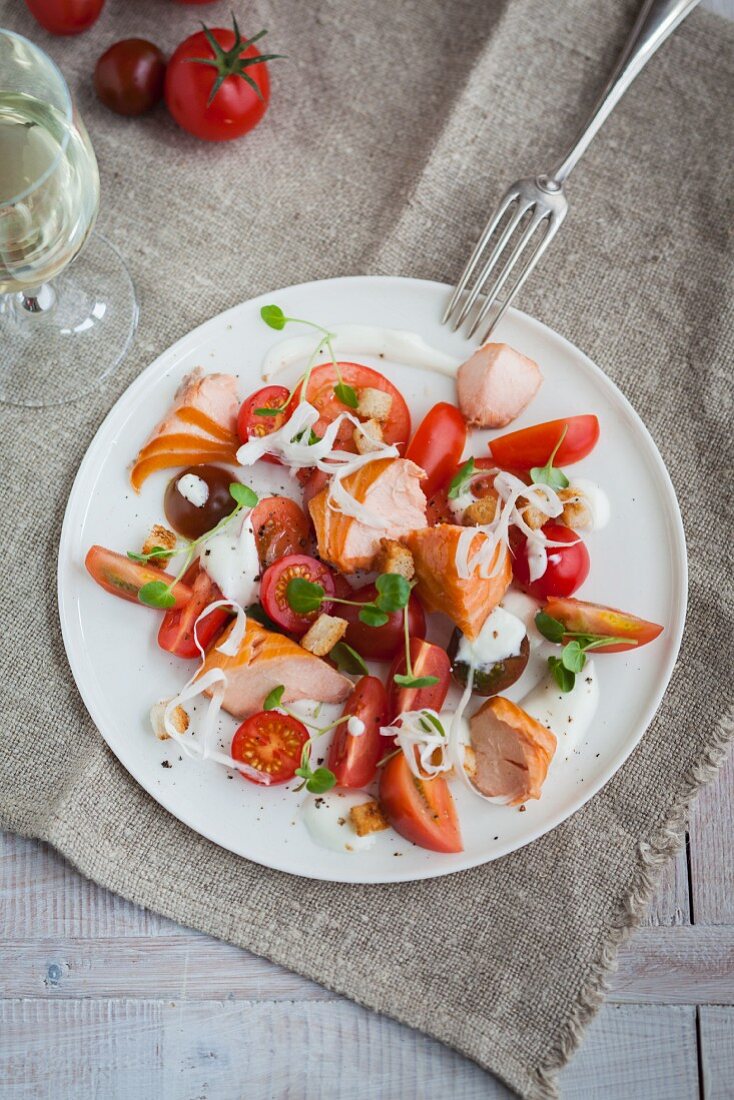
(535, 208)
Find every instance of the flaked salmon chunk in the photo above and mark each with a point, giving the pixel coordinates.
(512, 752)
(495, 384)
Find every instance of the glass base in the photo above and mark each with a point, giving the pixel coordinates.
(70, 337)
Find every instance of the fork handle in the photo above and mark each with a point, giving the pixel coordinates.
(656, 21)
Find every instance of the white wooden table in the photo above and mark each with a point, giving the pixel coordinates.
(100, 1000)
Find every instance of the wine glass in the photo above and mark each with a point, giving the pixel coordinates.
(62, 329)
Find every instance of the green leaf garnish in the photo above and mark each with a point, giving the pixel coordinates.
(320, 781)
(156, 594)
(548, 474)
(304, 596)
(348, 660)
(274, 317)
(243, 495)
(156, 552)
(427, 717)
(550, 628)
(371, 615)
(393, 592)
(415, 681)
(461, 479)
(573, 657)
(346, 394)
(562, 675)
(274, 698)
(269, 412)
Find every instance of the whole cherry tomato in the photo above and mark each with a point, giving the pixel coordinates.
(65, 16)
(380, 643)
(438, 445)
(567, 569)
(129, 76)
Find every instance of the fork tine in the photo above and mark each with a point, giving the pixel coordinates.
(506, 271)
(518, 215)
(553, 227)
(510, 196)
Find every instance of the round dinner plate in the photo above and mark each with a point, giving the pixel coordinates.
(638, 563)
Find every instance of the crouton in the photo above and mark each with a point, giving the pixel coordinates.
(577, 513)
(393, 557)
(368, 818)
(470, 762)
(374, 404)
(161, 537)
(323, 635)
(480, 512)
(367, 436)
(532, 515)
(179, 719)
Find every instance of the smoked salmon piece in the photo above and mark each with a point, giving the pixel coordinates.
(265, 660)
(440, 588)
(512, 752)
(200, 426)
(495, 384)
(394, 503)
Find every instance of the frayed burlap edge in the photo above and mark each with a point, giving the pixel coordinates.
(665, 843)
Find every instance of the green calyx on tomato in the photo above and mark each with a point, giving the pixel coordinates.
(230, 63)
(565, 668)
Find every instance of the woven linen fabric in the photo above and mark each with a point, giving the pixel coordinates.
(393, 128)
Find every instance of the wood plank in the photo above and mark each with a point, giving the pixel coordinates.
(326, 1051)
(679, 965)
(712, 852)
(717, 1052)
(670, 903)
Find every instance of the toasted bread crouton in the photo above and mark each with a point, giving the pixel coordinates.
(323, 635)
(480, 512)
(393, 557)
(161, 537)
(532, 516)
(179, 718)
(470, 762)
(577, 513)
(367, 436)
(368, 818)
(374, 404)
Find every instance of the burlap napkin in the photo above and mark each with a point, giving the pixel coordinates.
(393, 127)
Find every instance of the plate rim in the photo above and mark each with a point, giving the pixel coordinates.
(190, 342)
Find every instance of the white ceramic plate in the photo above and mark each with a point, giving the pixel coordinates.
(638, 563)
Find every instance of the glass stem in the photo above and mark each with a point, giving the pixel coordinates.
(39, 300)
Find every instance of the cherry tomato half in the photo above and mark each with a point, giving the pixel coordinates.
(438, 445)
(123, 577)
(437, 507)
(312, 481)
(395, 429)
(274, 586)
(533, 446)
(354, 758)
(380, 643)
(236, 107)
(249, 424)
(176, 633)
(427, 660)
(128, 77)
(192, 520)
(271, 743)
(595, 618)
(65, 16)
(281, 528)
(421, 810)
(567, 569)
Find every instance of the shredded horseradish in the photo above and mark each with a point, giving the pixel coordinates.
(426, 749)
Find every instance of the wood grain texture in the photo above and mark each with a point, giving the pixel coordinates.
(717, 1052)
(683, 965)
(712, 851)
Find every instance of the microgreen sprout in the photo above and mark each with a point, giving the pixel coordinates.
(316, 781)
(393, 593)
(548, 474)
(565, 668)
(408, 679)
(461, 480)
(274, 316)
(348, 660)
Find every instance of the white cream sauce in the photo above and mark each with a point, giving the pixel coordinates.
(194, 489)
(232, 562)
(326, 816)
(597, 500)
(568, 714)
(355, 726)
(393, 344)
(500, 637)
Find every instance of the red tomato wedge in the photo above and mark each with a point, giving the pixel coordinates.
(438, 445)
(281, 528)
(123, 577)
(567, 569)
(380, 643)
(354, 758)
(176, 633)
(274, 587)
(395, 429)
(250, 424)
(595, 618)
(271, 743)
(533, 446)
(427, 660)
(421, 810)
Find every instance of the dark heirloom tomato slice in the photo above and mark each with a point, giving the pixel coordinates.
(427, 660)
(280, 527)
(380, 643)
(438, 445)
(271, 743)
(274, 586)
(421, 810)
(250, 425)
(353, 758)
(193, 521)
(567, 569)
(533, 446)
(595, 618)
(176, 633)
(395, 429)
(123, 577)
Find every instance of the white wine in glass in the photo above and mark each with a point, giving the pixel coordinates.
(61, 331)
